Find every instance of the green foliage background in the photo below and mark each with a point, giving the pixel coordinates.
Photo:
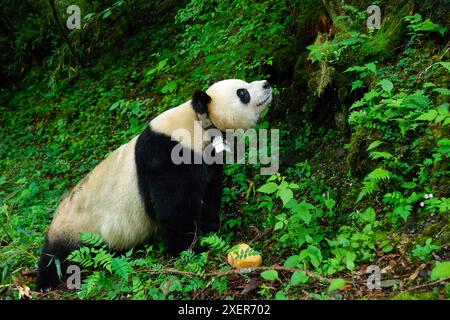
(364, 120)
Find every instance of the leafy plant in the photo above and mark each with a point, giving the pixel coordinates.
(424, 252)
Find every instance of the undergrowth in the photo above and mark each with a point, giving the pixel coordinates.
(371, 192)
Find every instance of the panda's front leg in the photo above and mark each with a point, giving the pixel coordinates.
(210, 219)
(178, 233)
(176, 208)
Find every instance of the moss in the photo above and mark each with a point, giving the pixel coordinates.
(357, 158)
(439, 231)
(441, 169)
(414, 296)
(388, 36)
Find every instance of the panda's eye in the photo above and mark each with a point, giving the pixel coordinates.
(243, 95)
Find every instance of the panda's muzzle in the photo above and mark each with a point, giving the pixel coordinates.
(266, 99)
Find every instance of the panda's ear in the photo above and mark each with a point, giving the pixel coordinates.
(200, 101)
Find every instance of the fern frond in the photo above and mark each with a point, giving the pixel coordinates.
(121, 267)
(92, 239)
(381, 154)
(370, 183)
(379, 174)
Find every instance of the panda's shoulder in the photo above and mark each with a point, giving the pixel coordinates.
(152, 148)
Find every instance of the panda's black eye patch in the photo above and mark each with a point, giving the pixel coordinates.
(243, 95)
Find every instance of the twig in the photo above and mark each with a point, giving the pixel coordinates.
(29, 273)
(262, 234)
(259, 269)
(439, 233)
(238, 271)
(426, 285)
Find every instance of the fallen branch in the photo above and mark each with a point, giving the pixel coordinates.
(429, 284)
(30, 273)
(239, 271)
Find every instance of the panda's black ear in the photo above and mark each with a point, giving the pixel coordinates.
(200, 101)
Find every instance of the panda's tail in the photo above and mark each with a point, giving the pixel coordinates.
(53, 264)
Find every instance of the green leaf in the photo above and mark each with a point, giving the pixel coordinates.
(106, 14)
(371, 67)
(441, 271)
(445, 64)
(302, 210)
(269, 188)
(175, 286)
(357, 84)
(374, 144)
(58, 268)
(281, 296)
(286, 195)
(386, 85)
(330, 203)
(443, 91)
(270, 275)
(292, 261)
(403, 211)
(428, 116)
(381, 154)
(313, 254)
(279, 225)
(370, 183)
(336, 284)
(408, 185)
(169, 87)
(299, 277)
(350, 260)
(354, 68)
(367, 216)
(370, 95)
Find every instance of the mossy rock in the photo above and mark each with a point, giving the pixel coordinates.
(439, 231)
(358, 158)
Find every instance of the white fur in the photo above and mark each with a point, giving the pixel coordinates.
(226, 109)
(107, 202)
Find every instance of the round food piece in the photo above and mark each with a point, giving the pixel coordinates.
(242, 256)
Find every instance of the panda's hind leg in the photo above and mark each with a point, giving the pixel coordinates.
(53, 253)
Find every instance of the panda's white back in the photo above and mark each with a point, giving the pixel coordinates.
(109, 204)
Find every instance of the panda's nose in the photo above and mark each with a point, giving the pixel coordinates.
(266, 85)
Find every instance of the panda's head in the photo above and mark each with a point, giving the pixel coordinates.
(233, 103)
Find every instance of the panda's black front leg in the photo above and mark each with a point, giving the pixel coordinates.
(177, 221)
(176, 206)
(178, 234)
(210, 220)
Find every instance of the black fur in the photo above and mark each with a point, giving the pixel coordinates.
(48, 276)
(200, 101)
(183, 199)
(244, 95)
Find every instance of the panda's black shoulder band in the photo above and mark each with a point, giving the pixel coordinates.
(200, 102)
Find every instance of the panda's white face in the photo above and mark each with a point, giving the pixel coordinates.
(236, 104)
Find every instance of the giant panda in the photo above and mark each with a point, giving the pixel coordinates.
(138, 192)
